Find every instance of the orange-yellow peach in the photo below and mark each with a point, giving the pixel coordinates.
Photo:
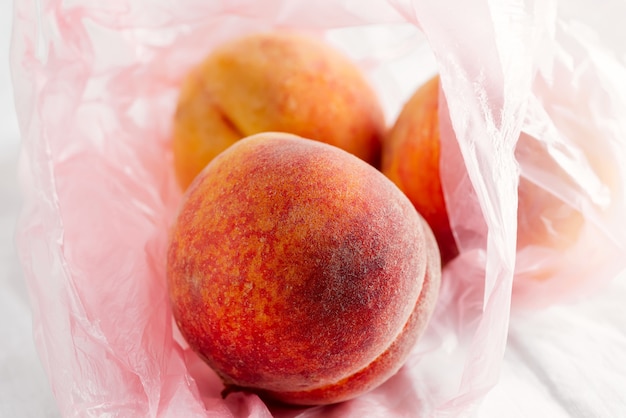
(543, 218)
(411, 158)
(277, 81)
(299, 272)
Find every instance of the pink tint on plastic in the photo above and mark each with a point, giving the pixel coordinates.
(95, 88)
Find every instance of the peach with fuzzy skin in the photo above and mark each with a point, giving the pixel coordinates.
(274, 82)
(390, 361)
(299, 272)
(411, 153)
(410, 158)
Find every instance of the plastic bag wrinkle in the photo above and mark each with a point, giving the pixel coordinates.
(95, 84)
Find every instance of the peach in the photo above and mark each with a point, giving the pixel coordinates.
(277, 81)
(411, 157)
(543, 218)
(299, 272)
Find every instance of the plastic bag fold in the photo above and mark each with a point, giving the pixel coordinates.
(528, 96)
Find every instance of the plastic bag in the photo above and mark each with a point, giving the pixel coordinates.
(95, 87)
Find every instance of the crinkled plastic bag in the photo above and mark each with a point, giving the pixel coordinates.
(95, 88)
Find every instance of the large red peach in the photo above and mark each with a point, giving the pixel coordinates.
(411, 159)
(299, 272)
(277, 81)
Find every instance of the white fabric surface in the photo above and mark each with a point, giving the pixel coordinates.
(568, 361)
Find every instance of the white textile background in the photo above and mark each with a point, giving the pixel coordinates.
(568, 361)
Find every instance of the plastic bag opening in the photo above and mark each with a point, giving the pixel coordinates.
(95, 88)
